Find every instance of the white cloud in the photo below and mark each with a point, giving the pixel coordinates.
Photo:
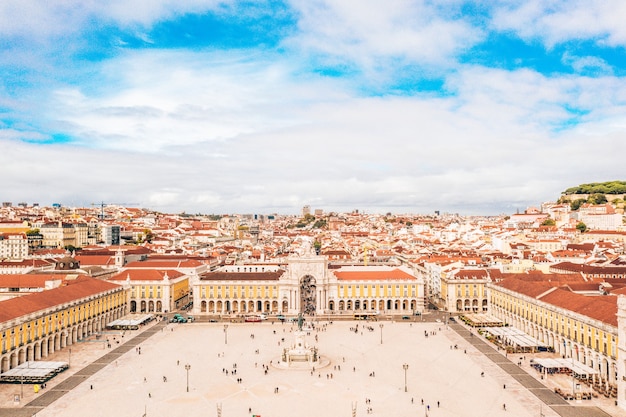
(253, 137)
(156, 99)
(252, 130)
(362, 32)
(587, 64)
(559, 21)
(38, 19)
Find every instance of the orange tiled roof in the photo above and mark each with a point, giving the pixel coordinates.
(602, 308)
(95, 260)
(32, 303)
(242, 276)
(375, 275)
(146, 275)
(175, 263)
(26, 263)
(529, 288)
(27, 280)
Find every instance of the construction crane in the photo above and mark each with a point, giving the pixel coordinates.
(102, 205)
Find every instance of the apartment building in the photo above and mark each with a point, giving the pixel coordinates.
(465, 290)
(57, 318)
(13, 246)
(58, 235)
(567, 318)
(154, 290)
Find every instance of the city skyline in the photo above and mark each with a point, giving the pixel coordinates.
(265, 107)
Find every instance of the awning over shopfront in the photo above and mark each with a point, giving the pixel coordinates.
(511, 336)
(33, 372)
(130, 323)
(560, 365)
(481, 320)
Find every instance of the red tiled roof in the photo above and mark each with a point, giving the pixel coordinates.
(27, 280)
(528, 288)
(375, 275)
(471, 274)
(32, 303)
(242, 276)
(176, 263)
(602, 308)
(26, 263)
(95, 260)
(146, 275)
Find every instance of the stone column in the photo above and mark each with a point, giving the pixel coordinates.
(621, 351)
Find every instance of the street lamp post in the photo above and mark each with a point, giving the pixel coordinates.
(573, 377)
(405, 367)
(69, 358)
(226, 334)
(187, 368)
(381, 333)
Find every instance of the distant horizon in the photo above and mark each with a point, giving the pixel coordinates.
(295, 212)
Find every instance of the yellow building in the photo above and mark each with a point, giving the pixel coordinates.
(307, 285)
(56, 318)
(574, 325)
(240, 292)
(465, 290)
(154, 290)
(379, 289)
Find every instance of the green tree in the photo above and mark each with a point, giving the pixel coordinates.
(597, 198)
(548, 222)
(564, 200)
(582, 227)
(32, 232)
(320, 224)
(575, 205)
(318, 246)
(148, 235)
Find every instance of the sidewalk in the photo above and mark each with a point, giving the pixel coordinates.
(86, 358)
(542, 389)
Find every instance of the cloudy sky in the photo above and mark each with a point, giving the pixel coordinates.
(207, 106)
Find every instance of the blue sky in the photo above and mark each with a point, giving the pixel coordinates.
(226, 106)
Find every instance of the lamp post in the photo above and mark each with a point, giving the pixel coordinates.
(405, 367)
(187, 368)
(226, 334)
(573, 377)
(381, 333)
(69, 357)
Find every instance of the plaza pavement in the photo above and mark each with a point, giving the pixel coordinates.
(110, 382)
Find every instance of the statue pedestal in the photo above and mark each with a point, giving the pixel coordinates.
(300, 355)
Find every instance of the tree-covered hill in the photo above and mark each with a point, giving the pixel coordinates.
(609, 187)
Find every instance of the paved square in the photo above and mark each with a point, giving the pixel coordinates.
(436, 372)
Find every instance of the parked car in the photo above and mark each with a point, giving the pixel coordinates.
(177, 318)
